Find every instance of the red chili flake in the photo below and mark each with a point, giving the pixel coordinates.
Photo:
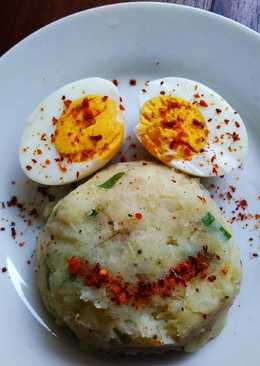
(74, 265)
(257, 216)
(232, 188)
(212, 278)
(162, 92)
(38, 151)
(22, 244)
(96, 138)
(29, 222)
(133, 146)
(218, 127)
(67, 102)
(28, 167)
(229, 196)
(213, 158)
(77, 175)
(241, 204)
(215, 169)
(235, 136)
(237, 124)
(115, 82)
(13, 232)
(34, 161)
(197, 123)
(203, 103)
(210, 119)
(47, 162)
(218, 110)
(254, 254)
(105, 98)
(123, 158)
(197, 95)
(144, 163)
(54, 120)
(121, 107)
(4, 269)
(138, 216)
(44, 137)
(13, 202)
(132, 82)
(226, 121)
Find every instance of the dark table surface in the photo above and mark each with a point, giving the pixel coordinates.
(19, 18)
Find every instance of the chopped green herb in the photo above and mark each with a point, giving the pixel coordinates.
(208, 219)
(226, 233)
(111, 181)
(55, 211)
(123, 337)
(93, 213)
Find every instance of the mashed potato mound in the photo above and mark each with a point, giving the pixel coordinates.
(139, 257)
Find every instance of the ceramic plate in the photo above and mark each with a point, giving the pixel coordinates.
(138, 41)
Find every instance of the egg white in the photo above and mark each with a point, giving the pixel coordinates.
(217, 158)
(40, 123)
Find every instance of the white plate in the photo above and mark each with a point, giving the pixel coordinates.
(141, 41)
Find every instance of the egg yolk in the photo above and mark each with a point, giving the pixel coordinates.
(88, 127)
(172, 128)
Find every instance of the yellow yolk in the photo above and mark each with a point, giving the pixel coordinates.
(172, 128)
(88, 127)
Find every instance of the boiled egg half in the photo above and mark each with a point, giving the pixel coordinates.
(73, 132)
(190, 127)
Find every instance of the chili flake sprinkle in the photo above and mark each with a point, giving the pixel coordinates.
(132, 82)
(138, 216)
(203, 103)
(142, 291)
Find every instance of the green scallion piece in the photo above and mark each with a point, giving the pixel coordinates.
(208, 219)
(111, 181)
(226, 233)
(93, 213)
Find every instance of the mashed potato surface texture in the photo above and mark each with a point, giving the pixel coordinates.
(139, 256)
